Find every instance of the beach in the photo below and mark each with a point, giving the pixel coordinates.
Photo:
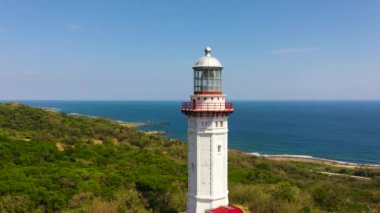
(322, 161)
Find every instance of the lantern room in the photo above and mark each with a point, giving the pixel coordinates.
(208, 74)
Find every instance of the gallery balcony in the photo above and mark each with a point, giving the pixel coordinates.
(199, 109)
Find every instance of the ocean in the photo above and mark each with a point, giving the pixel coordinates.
(346, 131)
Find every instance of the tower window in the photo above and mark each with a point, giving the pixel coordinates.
(221, 123)
(219, 148)
(216, 123)
(204, 98)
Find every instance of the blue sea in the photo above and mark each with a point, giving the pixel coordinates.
(339, 130)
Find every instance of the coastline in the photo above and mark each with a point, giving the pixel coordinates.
(134, 125)
(311, 159)
(276, 157)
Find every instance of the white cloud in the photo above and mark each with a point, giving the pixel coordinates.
(289, 51)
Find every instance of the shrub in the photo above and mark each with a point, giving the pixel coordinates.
(16, 204)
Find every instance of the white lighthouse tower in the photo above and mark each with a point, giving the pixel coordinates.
(207, 114)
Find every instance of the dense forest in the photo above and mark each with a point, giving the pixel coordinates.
(54, 162)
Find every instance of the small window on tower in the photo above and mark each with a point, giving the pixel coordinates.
(216, 123)
(221, 123)
(199, 98)
(219, 148)
(204, 98)
(212, 99)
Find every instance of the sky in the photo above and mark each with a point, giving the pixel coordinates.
(144, 50)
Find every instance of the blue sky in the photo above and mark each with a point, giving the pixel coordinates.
(128, 50)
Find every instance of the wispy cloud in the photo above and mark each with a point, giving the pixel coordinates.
(290, 51)
(75, 27)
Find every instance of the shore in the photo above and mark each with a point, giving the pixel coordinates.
(311, 159)
(281, 157)
(122, 123)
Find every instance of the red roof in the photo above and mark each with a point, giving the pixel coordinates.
(225, 209)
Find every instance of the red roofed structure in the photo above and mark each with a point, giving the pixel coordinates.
(225, 209)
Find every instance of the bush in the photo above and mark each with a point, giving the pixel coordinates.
(16, 204)
(328, 198)
(284, 191)
(141, 173)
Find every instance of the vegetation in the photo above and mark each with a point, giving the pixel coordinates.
(53, 162)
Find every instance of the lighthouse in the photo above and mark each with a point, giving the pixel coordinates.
(207, 114)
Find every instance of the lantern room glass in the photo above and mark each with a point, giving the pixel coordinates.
(207, 81)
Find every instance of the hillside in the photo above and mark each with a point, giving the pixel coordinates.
(54, 162)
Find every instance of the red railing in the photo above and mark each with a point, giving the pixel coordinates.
(215, 107)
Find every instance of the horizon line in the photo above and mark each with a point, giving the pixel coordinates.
(16, 100)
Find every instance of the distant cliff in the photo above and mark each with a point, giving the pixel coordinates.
(54, 162)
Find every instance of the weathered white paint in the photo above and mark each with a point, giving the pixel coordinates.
(216, 102)
(208, 147)
(207, 160)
